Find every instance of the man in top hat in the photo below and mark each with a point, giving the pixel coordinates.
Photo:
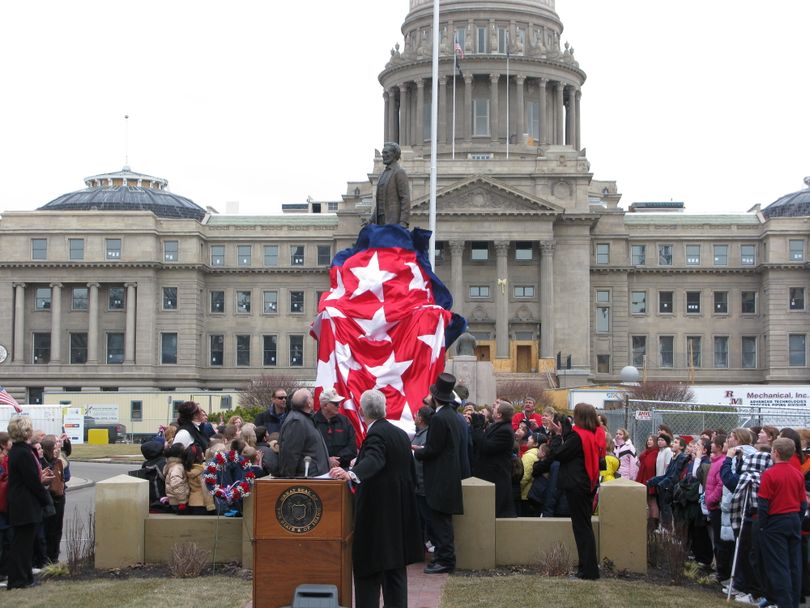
(442, 474)
(336, 429)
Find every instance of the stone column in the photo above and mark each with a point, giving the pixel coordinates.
(404, 123)
(419, 130)
(547, 298)
(571, 118)
(578, 142)
(92, 325)
(545, 132)
(457, 282)
(441, 138)
(386, 113)
(559, 114)
(56, 322)
(502, 301)
(520, 79)
(493, 106)
(19, 322)
(468, 117)
(129, 336)
(393, 134)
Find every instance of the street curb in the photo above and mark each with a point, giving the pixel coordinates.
(80, 484)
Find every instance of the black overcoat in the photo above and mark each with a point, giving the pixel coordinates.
(442, 466)
(494, 447)
(26, 494)
(387, 534)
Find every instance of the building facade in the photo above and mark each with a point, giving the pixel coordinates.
(125, 285)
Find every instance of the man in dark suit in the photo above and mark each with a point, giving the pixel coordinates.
(387, 535)
(494, 446)
(442, 470)
(393, 191)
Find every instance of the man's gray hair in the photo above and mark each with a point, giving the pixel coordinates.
(395, 146)
(373, 404)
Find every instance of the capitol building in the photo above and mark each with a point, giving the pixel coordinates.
(125, 285)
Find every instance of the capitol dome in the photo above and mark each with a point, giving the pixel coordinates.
(796, 204)
(126, 190)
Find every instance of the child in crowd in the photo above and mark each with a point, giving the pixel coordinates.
(177, 489)
(200, 500)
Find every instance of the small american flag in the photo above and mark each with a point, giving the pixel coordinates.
(458, 50)
(7, 399)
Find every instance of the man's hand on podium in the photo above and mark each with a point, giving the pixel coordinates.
(338, 473)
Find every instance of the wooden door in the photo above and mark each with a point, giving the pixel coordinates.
(524, 359)
(482, 352)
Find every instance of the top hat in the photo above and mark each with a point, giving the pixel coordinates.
(443, 389)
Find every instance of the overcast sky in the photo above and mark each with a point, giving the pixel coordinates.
(268, 102)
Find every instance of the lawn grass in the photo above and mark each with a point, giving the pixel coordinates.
(233, 592)
(535, 590)
(112, 450)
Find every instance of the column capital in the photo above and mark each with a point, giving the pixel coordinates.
(578, 94)
(442, 80)
(547, 248)
(420, 83)
(385, 95)
(392, 90)
(543, 81)
(520, 78)
(468, 79)
(130, 284)
(456, 247)
(559, 85)
(494, 78)
(56, 284)
(501, 248)
(94, 284)
(18, 285)
(403, 87)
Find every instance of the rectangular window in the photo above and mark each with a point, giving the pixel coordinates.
(461, 37)
(43, 298)
(602, 295)
(524, 291)
(270, 350)
(638, 346)
(76, 249)
(243, 302)
(693, 354)
(749, 352)
(39, 249)
(665, 255)
(603, 253)
(115, 298)
(242, 350)
(136, 411)
(243, 254)
(665, 350)
(79, 299)
(296, 302)
(296, 351)
(296, 255)
(795, 250)
(271, 255)
(481, 39)
(523, 251)
(602, 364)
(217, 350)
(479, 291)
(533, 120)
(113, 247)
(479, 251)
(796, 298)
(692, 302)
(171, 251)
(42, 348)
(78, 348)
(217, 255)
(797, 353)
(170, 298)
(721, 302)
(115, 349)
(480, 117)
(748, 302)
(721, 351)
(217, 302)
(602, 319)
(748, 255)
(638, 302)
(270, 298)
(440, 249)
(503, 40)
(721, 255)
(693, 255)
(168, 348)
(665, 302)
(638, 254)
(324, 255)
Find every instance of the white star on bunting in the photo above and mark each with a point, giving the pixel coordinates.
(371, 278)
(418, 281)
(390, 373)
(345, 360)
(377, 327)
(327, 378)
(340, 290)
(435, 340)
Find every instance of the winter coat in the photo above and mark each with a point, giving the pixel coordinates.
(611, 466)
(628, 463)
(494, 448)
(662, 461)
(646, 467)
(714, 485)
(529, 458)
(27, 497)
(198, 494)
(177, 489)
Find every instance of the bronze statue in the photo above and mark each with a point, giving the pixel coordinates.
(393, 193)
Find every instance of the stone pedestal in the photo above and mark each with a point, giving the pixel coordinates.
(477, 376)
(122, 504)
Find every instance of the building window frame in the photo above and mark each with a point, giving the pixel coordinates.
(796, 250)
(523, 292)
(39, 249)
(638, 302)
(796, 300)
(748, 302)
(602, 363)
(748, 254)
(638, 350)
(693, 302)
(76, 250)
(270, 350)
(692, 252)
(78, 347)
(797, 350)
(479, 292)
(324, 255)
(694, 351)
(297, 302)
(602, 253)
(43, 298)
(171, 251)
(41, 348)
(720, 302)
(116, 298)
(270, 301)
(666, 302)
(79, 302)
(169, 299)
(115, 348)
(216, 302)
(665, 257)
(296, 342)
(168, 348)
(243, 301)
(638, 255)
(216, 350)
(270, 255)
(112, 249)
(749, 356)
(242, 350)
(524, 252)
(720, 254)
(217, 255)
(297, 253)
(666, 351)
(480, 117)
(136, 410)
(602, 319)
(244, 255)
(720, 352)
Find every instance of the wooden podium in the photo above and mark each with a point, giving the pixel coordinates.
(302, 530)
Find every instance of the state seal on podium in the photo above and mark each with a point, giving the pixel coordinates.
(299, 509)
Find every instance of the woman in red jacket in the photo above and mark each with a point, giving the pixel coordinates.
(646, 471)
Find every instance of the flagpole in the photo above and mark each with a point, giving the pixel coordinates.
(507, 94)
(434, 116)
(455, 57)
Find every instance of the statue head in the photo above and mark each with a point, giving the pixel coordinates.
(391, 152)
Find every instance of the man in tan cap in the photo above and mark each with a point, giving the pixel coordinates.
(336, 429)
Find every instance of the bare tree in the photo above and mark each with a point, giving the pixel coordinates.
(662, 391)
(259, 391)
(515, 391)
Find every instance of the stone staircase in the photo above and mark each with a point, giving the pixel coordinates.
(543, 380)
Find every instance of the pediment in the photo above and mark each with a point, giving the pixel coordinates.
(484, 196)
